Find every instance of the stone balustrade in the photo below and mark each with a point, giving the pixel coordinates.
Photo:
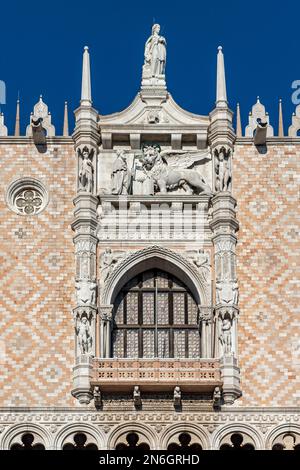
(192, 375)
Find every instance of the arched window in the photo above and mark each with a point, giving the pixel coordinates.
(155, 315)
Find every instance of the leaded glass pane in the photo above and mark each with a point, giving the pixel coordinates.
(179, 343)
(163, 343)
(119, 318)
(148, 279)
(132, 343)
(192, 311)
(178, 308)
(194, 343)
(163, 308)
(118, 343)
(148, 308)
(162, 280)
(132, 308)
(148, 343)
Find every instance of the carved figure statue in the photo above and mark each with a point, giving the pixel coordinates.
(155, 52)
(84, 336)
(225, 336)
(222, 169)
(168, 169)
(120, 174)
(227, 292)
(86, 292)
(106, 263)
(86, 170)
(201, 260)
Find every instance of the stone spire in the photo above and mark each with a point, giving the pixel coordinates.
(280, 121)
(221, 101)
(238, 121)
(66, 121)
(17, 123)
(86, 94)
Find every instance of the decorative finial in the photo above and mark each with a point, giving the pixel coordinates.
(66, 121)
(86, 96)
(221, 100)
(238, 121)
(17, 122)
(257, 99)
(280, 120)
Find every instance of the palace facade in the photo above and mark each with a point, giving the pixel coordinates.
(150, 275)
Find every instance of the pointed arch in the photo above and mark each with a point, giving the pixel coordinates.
(151, 257)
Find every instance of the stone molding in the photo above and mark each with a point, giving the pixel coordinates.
(54, 427)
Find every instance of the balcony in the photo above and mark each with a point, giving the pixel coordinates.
(121, 375)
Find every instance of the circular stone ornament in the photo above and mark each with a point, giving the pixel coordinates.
(27, 196)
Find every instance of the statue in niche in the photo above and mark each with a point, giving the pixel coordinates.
(86, 170)
(85, 292)
(225, 336)
(227, 292)
(120, 175)
(155, 53)
(170, 170)
(222, 169)
(84, 334)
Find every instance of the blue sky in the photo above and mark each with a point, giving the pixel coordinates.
(42, 43)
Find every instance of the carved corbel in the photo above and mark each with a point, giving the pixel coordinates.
(137, 400)
(97, 397)
(177, 397)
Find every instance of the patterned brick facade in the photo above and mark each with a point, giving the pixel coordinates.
(37, 259)
(266, 187)
(37, 271)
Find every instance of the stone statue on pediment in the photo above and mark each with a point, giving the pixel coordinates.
(155, 53)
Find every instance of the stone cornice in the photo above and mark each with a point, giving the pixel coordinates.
(24, 140)
(270, 141)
